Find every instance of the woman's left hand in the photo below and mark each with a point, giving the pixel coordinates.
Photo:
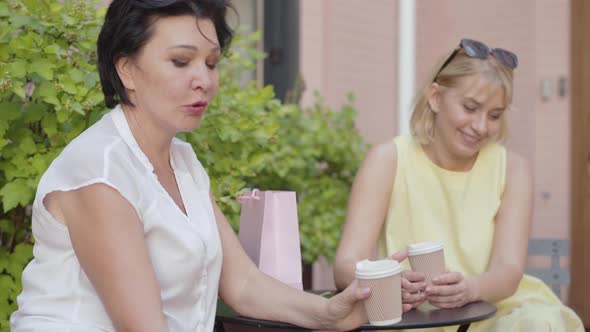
(345, 311)
(450, 290)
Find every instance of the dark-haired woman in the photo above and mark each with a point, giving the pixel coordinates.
(128, 237)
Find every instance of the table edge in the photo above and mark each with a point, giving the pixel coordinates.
(255, 322)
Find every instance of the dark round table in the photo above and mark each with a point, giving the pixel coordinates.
(418, 318)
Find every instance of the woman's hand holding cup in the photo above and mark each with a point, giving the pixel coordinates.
(413, 285)
(450, 290)
(345, 311)
(413, 289)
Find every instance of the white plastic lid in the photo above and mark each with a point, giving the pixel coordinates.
(424, 247)
(367, 269)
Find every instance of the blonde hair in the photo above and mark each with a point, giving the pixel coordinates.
(461, 66)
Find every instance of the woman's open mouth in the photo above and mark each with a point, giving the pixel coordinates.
(197, 108)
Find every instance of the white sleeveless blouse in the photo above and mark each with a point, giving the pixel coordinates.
(185, 250)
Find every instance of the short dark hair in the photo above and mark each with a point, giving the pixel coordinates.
(127, 28)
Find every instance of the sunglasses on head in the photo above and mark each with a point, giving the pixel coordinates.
(477, 49)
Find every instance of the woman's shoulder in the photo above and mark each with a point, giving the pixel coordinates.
(505, 166)
(512, 160)
(516, 164)
(98, 154)
(93, 148)
(383, 153)
(380, 164)
(395, 152)
(392, 150)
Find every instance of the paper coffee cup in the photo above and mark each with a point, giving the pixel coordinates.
(428, 258)
(384, 306)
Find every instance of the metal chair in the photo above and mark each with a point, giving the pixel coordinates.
(555, 275)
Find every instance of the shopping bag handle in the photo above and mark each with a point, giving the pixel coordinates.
(244, 198)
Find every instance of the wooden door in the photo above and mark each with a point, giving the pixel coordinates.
(580, 139)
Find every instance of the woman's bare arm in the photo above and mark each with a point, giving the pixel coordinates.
(513, 221)
(108, 240)
(367, 208)
(254, 294)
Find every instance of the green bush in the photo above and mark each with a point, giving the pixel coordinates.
(50, 93)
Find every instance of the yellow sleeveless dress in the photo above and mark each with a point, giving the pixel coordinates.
(459, 208)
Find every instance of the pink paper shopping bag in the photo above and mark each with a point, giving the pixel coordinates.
(269, 232)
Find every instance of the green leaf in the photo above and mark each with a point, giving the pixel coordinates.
(20, 45)
(47, 89)
(54, 101)
(6, 283)
(94, 97)
(6, 309)
(44, 68)
(69, 86)
(52, 49)
(15, 269)
(48, 92)
(6, 226)
(68, 20)
(27, 145)
(55, 7)
(77, 107)
(34, 112)
(19, 21)
(17, 69)
(62, 116)
(37, 5)
(23, 252)
(90, 80)
(76, 75)
(14, 168)
(9, 111)
(4, 125)
(3, 262)
(15, 193)
(4, 52)
(82, 91)
(4, 12)
(49, 124)
(38, 163)
(19, 90)
(3, 142)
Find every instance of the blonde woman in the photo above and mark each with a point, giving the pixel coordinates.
(451, 180)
